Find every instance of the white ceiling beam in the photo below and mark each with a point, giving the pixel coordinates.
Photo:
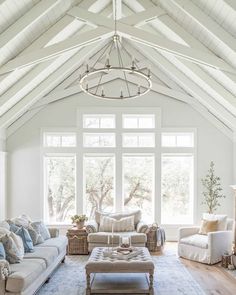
(189, 86)
(231, 4)
(52, 51)
(117, 8)
(46, 86)
(207, 23)
(155, 41)
(143, 17)
(28, 19)
(216, 89)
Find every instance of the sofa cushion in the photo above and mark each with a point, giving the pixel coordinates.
(23, 274)
(122, 225)
(48, 254)
(200, 241)
(59, 242)
(36, 237)
(102, 237)
(137, 216)
(41, 228)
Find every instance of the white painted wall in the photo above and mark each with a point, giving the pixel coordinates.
(24, 190)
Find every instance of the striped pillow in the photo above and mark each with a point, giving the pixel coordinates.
(122, 225)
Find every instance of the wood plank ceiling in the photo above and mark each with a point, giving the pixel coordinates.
(191, 45)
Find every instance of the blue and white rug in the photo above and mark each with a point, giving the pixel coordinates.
(171, 278)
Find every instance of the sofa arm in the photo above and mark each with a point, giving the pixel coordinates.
(142, 227)
(4, 269)
(54, 232)
(91, 226)
(188, 231)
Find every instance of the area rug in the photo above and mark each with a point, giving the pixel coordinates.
(171, 278)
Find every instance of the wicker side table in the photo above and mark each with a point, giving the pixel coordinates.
(77, 241)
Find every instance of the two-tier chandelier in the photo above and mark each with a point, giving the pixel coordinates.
(114, 61)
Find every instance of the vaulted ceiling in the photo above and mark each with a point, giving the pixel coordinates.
(190, 45)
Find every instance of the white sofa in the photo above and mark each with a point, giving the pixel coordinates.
(97, 238)
(205, 248)
(27, 277)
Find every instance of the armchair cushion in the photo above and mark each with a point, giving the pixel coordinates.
(91, 226)
(200, 241)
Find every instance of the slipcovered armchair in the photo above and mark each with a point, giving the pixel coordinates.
(207, 248)
(98, 235)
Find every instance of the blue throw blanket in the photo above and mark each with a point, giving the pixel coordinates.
(161, 236)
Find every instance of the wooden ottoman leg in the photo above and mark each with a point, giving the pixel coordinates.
(88, 290)
(151, 284)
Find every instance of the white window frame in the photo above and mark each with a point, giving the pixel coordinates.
(119, 150)
(183, 151)
(55, 151)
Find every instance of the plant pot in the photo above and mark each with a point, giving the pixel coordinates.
(234, 260)
(80, 224)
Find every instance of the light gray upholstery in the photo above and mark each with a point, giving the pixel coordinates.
(205, 248)
(26, 277)
(100, 239)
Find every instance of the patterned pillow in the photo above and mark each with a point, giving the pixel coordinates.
(4, 224)
(22, 220)
(41, 228)
(14, 248)
(25, 236)
(123, 225)
(36, 237)
(2, 251)
(4, 231)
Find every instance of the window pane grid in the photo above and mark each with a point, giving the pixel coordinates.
(139, 121)
(177, 140)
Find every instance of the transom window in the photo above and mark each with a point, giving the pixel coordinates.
(138, 121)
(177, 139)
(59, 139)
(98, 121)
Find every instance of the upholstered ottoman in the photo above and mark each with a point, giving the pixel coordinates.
(101, 266)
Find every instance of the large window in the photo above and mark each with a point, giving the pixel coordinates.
(120, 159)
(59, 188)
(177, 189)
(138, 183)
(99, 183)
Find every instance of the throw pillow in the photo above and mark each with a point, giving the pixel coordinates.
(4, 224)
(36, 237)
(222, 220)
(25, 236)
(41, 228)
(208, 226)
(22, 220)
(4, 231)
(123, 225)
(14, 248)
(2, 251)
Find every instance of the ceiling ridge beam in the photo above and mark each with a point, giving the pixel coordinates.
(155, 41)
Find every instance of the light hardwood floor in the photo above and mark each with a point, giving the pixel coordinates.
(213, 279)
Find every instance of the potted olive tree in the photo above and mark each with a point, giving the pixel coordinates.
(212, 190)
